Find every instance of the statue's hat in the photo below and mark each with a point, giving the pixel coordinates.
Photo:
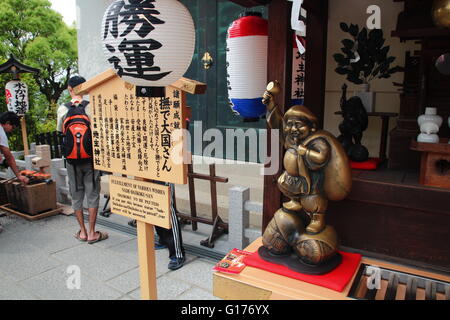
(299, 111)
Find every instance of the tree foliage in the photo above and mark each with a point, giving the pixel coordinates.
(56, 57)
(37, 36)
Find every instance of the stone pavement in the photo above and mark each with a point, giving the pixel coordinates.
(37, 259)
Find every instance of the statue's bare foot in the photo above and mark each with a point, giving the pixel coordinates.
(292, 205)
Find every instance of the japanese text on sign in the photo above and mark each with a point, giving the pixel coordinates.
(133, 135)
(298, 85)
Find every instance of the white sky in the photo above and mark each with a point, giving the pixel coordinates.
(67, 8)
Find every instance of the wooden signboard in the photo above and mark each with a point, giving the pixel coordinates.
(141, 200)
(136, 135)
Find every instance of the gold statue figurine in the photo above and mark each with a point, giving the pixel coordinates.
(316, 169)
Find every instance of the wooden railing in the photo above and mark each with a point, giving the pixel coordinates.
(219, 226)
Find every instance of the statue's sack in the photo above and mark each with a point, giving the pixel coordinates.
(338, 174)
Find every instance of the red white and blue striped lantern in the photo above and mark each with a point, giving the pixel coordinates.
(298, 73)
(247, 41)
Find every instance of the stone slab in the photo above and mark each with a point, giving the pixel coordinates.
(99, 263)
(52, 285)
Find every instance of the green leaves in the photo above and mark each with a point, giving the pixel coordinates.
(341, 59)
(376, 37)
(348, 43)
(344, 27)
(362, 36)
(22, 21)
(373, 62)
(37, 36)
(353, 30)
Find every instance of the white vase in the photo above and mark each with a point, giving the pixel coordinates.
(367, 97)
(428, 138)
(430, 115)
(429, 126)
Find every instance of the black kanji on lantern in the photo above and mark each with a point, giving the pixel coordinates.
(140, 12)
(137, 60)
(112, 17)
(21, 104)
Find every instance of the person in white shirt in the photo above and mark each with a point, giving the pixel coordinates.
(8, 122)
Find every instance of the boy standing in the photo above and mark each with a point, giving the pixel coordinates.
(84, 180)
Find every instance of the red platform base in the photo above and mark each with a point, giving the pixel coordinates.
(334, 280)
(369, 164)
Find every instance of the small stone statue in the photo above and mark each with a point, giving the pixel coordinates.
(316, 169)
(352, 127)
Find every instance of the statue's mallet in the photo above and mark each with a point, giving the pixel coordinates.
(273, 87)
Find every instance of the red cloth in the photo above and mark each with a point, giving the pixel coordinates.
(336, 279)
(369, 164)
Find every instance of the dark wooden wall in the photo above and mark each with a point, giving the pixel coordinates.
(316, 56)
(395, 220)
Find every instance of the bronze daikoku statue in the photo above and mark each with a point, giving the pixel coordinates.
(316, 169)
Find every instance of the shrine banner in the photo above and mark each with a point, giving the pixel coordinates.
(134, 135)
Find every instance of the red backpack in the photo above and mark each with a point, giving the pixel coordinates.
(77, 140)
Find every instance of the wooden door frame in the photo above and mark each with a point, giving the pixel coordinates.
(280, 68)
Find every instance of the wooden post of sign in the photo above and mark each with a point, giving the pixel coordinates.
(23, 124)
(147, 265)
(149, 203)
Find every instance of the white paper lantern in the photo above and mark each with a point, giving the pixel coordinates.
(247, 42)
(148, 42)
(17, 97)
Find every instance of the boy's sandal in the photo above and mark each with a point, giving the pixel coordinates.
(101, 236)
(77, 235)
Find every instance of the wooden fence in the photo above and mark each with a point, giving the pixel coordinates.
(54, 140)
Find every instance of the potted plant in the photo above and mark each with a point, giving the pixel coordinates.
(364, 58)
